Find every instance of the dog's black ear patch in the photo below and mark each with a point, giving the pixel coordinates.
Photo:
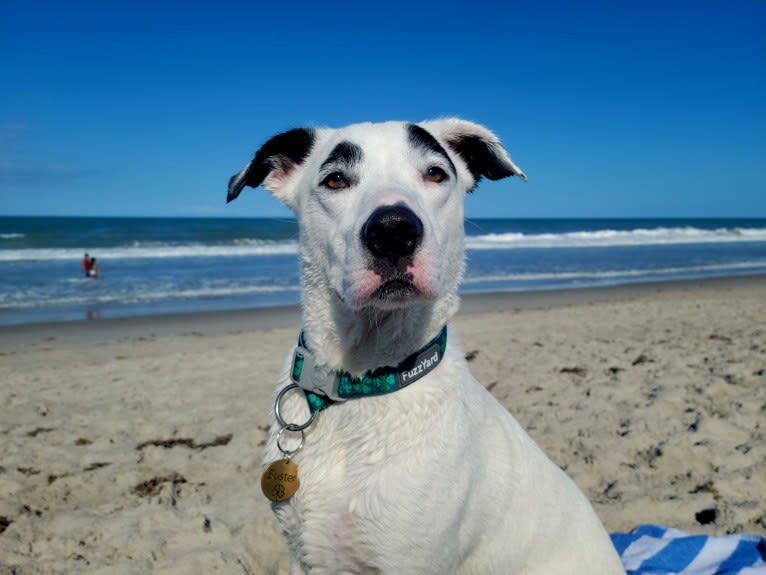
(282, 152)
(483, 158)
(479, 150)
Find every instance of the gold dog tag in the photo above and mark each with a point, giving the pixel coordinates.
(280, 480)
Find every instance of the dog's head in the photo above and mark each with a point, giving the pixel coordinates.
(379, 206)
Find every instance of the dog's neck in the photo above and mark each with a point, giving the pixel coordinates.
(358, 341)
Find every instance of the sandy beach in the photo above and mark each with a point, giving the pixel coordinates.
(133, 446)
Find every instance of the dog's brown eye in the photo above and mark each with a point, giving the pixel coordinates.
(335, 181)
(436, 174)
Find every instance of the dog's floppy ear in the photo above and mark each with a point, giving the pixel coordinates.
(273, 163)
(479, 148)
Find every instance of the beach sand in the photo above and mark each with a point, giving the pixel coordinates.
(133, 446)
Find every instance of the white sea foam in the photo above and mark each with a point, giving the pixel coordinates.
(25, 301)
(503, 241)
(605, 275)
(608, 238)
(144, 250)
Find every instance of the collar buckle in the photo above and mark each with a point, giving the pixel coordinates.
(309, 376)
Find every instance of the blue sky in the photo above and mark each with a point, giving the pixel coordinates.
(613, 109)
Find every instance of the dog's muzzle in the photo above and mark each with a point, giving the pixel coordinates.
(392, 232)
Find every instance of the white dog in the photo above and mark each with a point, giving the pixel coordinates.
(405, 464)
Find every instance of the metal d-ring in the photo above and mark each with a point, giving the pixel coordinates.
(288, 453)
(282, 422)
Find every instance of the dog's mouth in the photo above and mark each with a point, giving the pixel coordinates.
(398, 290)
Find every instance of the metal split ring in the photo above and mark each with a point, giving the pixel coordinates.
(288, 453)
(282, 422)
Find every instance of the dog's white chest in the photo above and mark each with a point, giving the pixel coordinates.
(372, 477)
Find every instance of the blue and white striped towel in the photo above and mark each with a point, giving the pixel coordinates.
(655, 550)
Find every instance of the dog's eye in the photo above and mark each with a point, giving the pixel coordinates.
(335, 181)
(436, 174)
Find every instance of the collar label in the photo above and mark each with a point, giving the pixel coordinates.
(423, 364)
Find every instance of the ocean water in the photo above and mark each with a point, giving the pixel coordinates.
(166, 265)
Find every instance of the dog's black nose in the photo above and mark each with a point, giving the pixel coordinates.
(392, 232)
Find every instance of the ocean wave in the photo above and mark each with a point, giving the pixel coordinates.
(609, 238)
(494, 241)
(26, 301)
(151, 250)
(12, 236)
(598, 275)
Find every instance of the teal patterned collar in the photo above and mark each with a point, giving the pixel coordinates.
(324, 387)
